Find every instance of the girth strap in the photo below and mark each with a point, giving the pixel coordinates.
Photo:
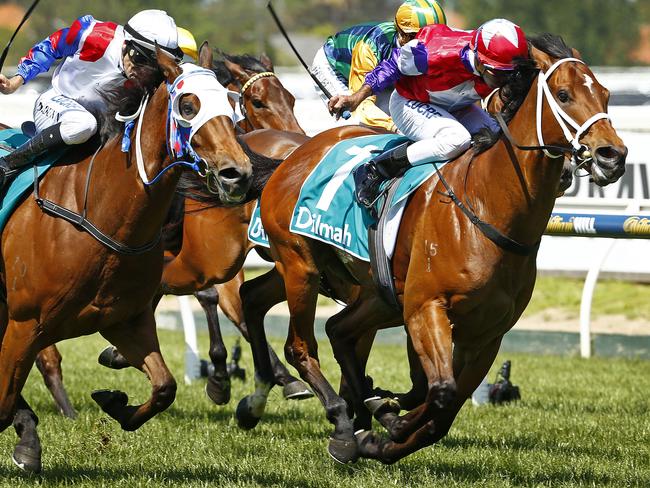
(80, 220)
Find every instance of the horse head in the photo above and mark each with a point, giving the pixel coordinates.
(265, 102)
(200, 106)
(576, 108)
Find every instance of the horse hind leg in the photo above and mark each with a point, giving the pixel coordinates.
(138, 342)
(231, 304)
(48, 362)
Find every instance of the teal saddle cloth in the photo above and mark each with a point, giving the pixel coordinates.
(327, 210)
(10, 139)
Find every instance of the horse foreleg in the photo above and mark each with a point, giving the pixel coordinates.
(17, 356)
(27, 453)
(138, 342)
(258, 296)
(430, 332)
(48, 362)
(218, 385)
(469, 370)
(231, 304)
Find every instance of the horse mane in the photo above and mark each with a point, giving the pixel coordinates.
(172, 231)
(246, 61)
(193, 187)
(514, 92)
(126, 99)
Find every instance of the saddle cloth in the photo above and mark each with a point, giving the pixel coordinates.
(20, 185)
(326, 209)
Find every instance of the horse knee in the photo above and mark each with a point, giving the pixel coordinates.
(164, 394)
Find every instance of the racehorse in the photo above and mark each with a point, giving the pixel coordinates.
(74, 285)
(461, 282)
(205, 258)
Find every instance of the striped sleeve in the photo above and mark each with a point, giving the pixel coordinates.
(61, 44)
(413, 58)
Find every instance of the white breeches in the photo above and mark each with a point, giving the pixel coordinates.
(77, 124)
(438, 134)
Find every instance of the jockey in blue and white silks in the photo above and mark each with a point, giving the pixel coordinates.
(96, 57)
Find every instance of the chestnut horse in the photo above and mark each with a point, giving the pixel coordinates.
(74, 285)
(214, 257)
(460, 286)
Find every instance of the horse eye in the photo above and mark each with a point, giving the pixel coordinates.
(187, 111)
(258, 103)
(563, 96)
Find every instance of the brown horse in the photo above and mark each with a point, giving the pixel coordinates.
(214, 241)
(212, 257)
(460, 291)
(76, 286)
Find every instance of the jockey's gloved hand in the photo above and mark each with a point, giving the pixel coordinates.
(10, 85)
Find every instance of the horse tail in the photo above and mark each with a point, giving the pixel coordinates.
(172, 232)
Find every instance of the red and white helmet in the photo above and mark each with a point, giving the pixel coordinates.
(497, 42)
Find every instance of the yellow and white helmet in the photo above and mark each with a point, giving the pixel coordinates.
(412, 15)
(187, 43)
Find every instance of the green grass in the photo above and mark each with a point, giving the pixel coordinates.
(580, 423)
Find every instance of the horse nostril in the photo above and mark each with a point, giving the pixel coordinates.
(230, 174)
(609, 154)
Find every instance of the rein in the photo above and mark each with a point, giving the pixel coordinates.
(579, 153)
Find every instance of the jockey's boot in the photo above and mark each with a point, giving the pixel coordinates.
(370, 175)
(25, 154)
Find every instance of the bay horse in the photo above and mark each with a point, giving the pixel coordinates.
(459, 291)
(74, 285)
(207, 257)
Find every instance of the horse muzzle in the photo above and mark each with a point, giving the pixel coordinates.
(232, 183)
(608, 164)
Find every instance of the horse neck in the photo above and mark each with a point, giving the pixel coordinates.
(520, 187)
(142, 210)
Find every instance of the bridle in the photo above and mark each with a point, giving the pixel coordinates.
(579, 153)
(246, 86)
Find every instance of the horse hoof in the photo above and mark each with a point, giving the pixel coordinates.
(369, 444)
(110, 400)
(342, 451)
(381, 406)
(27, 458)
(111, 358)
(245, 418)
(218, 390)
(296, 390)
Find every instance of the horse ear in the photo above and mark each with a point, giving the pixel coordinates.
(266, 61)
(576, 53)
(167, 65)
(237, 71)
(205, 55)
(542, 60)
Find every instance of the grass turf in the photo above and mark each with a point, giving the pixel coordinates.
(580, 423)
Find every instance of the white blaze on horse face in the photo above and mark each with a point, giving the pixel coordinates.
(589, 83)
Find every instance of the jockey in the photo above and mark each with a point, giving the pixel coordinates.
(439, 76)
(97, 56)
(187, 44)
(347, 57)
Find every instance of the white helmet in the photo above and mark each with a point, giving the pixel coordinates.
(149, 27)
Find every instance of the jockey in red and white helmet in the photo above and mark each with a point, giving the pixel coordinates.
(438, 78)
(96, 57)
